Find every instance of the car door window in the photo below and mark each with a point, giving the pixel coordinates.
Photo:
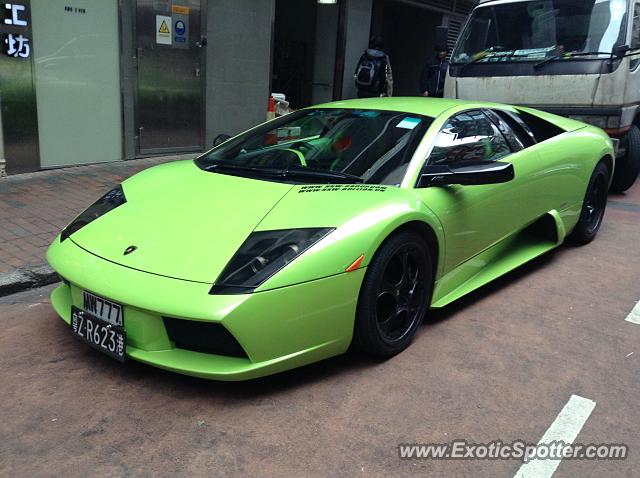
(515, 142)
(469, 136)
(517, 126)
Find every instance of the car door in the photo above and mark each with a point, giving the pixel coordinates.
(476, 217)
(553, 175)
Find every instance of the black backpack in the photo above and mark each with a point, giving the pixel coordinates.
(369, 73)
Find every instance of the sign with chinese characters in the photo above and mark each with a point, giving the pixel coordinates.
(70, 9)
(16, 42)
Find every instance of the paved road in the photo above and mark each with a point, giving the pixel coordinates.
(498, 365)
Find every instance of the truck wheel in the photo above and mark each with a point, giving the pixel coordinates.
(627, 168)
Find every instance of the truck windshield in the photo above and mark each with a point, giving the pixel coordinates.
(542, 29)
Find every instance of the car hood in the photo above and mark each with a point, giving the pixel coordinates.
(185, 223)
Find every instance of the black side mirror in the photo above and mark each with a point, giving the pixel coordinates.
(468, 174)
(442, 38)
(620, 50)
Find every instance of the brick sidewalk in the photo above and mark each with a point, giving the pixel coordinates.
(34, 207)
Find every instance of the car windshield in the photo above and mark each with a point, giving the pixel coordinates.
(324, 146)
(542, 29)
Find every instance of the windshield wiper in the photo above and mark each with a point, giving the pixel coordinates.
(286, 173)
(568, 56)
(475, 60)
(236, 167)
(489, 55)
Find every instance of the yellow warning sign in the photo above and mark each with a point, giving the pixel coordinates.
(164, 25)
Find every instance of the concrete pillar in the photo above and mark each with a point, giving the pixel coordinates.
(358, 28)
(128, 76)
(238, 60)
(325, 53)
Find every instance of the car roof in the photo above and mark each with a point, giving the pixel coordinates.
(432, 107)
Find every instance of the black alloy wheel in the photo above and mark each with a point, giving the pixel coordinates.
(596, 202)
(593, 207)
(394, 296)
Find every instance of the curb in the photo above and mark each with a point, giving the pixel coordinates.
(23, 279)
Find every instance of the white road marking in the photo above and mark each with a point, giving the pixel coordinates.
(564, 428)
(634, 316)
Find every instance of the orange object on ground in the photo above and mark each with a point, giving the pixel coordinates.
(271, 109)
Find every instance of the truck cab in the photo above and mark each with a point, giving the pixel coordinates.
(576, 58)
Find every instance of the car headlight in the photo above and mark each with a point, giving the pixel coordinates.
(106, 203)
(262, 255)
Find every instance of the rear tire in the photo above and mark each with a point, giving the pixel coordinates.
(627, 168)
(394, 295)
(593, 207)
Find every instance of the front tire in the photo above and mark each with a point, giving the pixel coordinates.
(593, 207)
(627, 168)
(394, 295)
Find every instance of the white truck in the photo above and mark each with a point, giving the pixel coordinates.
(576, 58)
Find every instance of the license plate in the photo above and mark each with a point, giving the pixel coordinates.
(103, 309)
(99, 334)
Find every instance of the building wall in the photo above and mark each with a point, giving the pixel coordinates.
(77, 80)
(358, 26)
(238, 64)
(18, 99)
(238, 69)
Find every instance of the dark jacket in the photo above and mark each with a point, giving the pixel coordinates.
(433, 75)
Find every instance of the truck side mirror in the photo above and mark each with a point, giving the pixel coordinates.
(442, 37)
(620, 50)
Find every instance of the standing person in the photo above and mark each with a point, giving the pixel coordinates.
(433, 75)
(374, 76)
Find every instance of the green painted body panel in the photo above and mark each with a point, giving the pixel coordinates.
(173, 199)
(362, 218)
(301, 322)
(492, 263)
(188, 224)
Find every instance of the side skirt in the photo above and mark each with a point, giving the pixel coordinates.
(543, 235)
